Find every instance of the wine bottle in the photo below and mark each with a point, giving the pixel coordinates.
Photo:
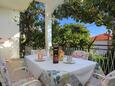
(55, 54)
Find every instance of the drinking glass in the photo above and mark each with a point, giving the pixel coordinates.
(69, 57)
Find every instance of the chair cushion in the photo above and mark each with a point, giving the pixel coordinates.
(4, 73)
(80, 54)
(109, 81)
(111, 74)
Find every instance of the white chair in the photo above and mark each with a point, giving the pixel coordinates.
(108, 80)
(6, 81)
(80, 54)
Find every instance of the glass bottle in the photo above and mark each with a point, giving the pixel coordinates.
(55, 54)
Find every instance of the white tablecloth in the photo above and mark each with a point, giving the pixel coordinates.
(82, 69)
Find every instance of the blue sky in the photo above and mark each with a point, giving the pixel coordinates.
(94, 30)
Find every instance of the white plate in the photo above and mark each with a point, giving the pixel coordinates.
(66, 62)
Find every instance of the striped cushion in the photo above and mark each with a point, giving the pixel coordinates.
(80, 54)
(4, 73)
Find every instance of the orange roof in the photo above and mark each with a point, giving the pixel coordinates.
(102, 37)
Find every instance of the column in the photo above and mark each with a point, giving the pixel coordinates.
(48, 29)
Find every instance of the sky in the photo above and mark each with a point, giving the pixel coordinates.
(94, 30)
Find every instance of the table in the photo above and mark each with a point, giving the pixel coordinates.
(82, 69)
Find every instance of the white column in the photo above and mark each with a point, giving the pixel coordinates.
(50, 6)
(48, 29)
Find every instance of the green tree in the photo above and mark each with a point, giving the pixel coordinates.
(100, 12)
(71, 35)
(32, 27)
(55, 32)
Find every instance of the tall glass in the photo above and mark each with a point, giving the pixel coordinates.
(69, 57)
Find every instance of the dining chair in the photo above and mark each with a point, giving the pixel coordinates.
(29, 80)
(108, 80)
(80, 54)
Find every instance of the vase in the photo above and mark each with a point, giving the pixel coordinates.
(61, 55)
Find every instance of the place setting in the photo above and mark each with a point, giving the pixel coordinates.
(68, 60)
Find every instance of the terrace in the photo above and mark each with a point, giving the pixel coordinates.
(27, 43)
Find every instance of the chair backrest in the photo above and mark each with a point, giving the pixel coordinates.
(80, 54)
(5, 80)
(111, 74)
(109, 79)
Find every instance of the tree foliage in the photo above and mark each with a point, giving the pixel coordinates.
(71, 35)
(32, 27)
(88, 11)
(100, 12)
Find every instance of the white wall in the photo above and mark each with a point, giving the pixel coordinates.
(102, 43)
(9, 28)
(104, 48)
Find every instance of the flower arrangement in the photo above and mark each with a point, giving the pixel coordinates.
(61, 55)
